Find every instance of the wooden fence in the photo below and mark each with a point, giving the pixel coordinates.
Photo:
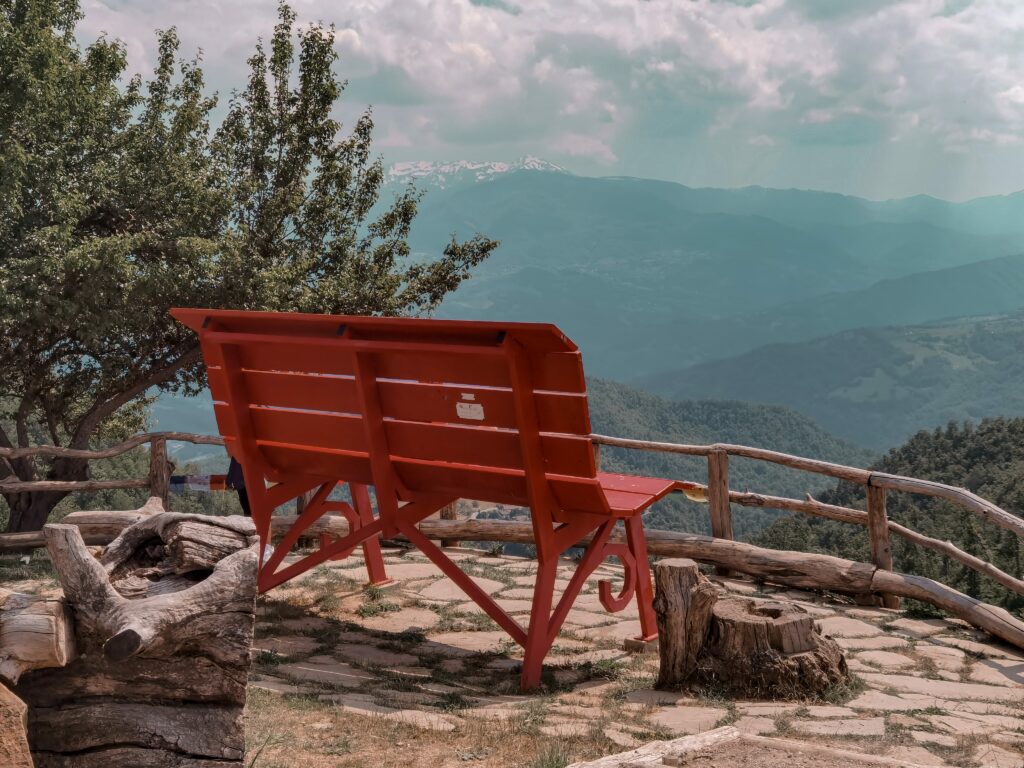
(800, 569)
(158, 480)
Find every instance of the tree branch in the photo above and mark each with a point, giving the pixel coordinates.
(101, 410)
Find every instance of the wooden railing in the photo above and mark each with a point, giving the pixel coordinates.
(875, 519)
(157, 481)
(800, 569)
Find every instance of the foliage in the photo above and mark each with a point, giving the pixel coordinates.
(118, 202)
(987, 459)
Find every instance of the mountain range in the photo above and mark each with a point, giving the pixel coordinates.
(650, 276)
(457, 173)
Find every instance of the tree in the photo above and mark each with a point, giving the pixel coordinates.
(117, 202)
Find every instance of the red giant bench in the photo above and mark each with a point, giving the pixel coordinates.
(425, 412)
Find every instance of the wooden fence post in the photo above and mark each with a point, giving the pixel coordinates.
(718, 499)
(302, 500)
(878, 534)
(159, 470)
(450, 512)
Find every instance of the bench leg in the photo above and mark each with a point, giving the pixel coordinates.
(371, 547)
(359, 514)
(637, 543)
(537, 637)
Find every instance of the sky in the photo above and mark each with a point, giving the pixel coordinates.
(865, 97)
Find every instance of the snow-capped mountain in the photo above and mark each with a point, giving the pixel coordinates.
(426, 174)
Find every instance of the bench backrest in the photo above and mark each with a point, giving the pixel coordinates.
(477, 410)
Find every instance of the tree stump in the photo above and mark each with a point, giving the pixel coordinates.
(739, 645)
(164, 622)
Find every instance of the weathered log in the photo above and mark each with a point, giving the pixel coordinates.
(20, 486)
(35, 632)
(103, 526)
(961, 496)
(14, 751)
(683, 602)
(159, 469)
(748, 647)
(796, 569)
(165, 622)
(948, 549)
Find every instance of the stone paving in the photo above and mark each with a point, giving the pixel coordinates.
(927, 691)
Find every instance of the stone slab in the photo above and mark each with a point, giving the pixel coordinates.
(688, 720)
(446, 590)
(945, 689)
(844, 626)
(869, 726)
(323, 669)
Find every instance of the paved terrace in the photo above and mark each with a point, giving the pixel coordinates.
(414, 674)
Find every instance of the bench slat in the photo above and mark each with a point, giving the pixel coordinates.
(408, 401)
(480, 446)
(552, 371)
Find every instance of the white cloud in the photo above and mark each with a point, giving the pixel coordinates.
(621, 72)
(582, 145)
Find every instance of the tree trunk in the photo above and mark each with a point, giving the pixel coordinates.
(164, 621)
(31, 509)
(683, 603)
(745, 647)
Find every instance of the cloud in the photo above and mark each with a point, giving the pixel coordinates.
(599, 80)
(581, 145)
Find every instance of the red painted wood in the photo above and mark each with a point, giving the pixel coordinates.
(427, 412)
(410, 401)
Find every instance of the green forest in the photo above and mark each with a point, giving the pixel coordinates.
(986, 458)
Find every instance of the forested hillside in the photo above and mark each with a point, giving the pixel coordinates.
(876, 386)
(618, 410)
(987, 458)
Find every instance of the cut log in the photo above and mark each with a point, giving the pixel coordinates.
(35, 632)
(752, 648)
(14, 751)
(164, 619)
(683, 603)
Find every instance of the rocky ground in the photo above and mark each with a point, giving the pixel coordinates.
(413, 674)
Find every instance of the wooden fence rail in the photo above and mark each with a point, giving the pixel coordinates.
(876, 485)
(157, 481)
(717, 493)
